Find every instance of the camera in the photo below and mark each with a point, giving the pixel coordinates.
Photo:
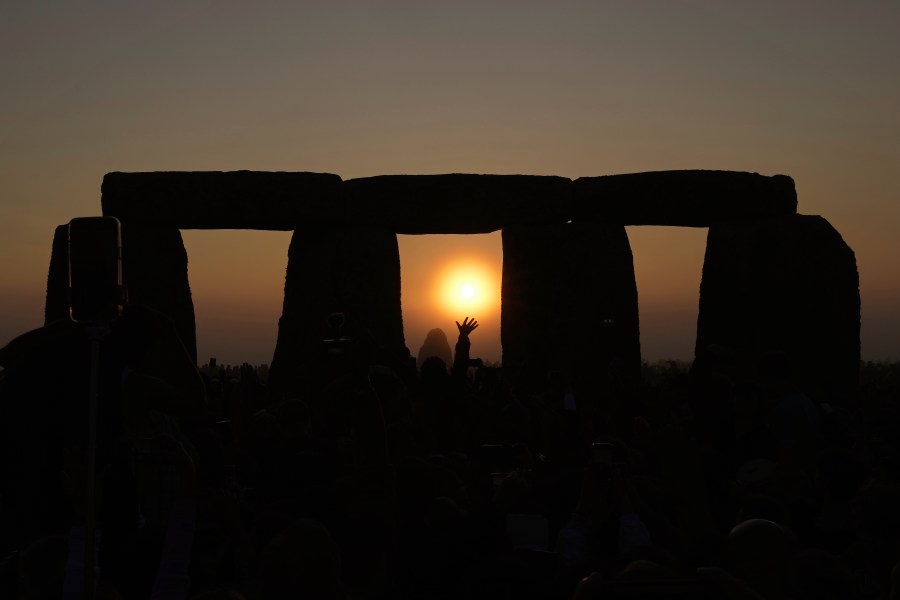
(335, 344)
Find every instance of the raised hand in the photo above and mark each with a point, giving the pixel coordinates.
(467, 327)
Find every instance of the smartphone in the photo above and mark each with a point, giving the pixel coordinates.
(335, 345)
(96, 291)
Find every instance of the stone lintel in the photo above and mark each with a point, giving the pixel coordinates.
(456, 203)
(223, 199)
(694, 198)
(452, 203)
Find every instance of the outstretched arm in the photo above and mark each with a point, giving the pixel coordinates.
(461, 358)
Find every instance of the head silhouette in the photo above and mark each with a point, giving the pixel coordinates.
(435, 344)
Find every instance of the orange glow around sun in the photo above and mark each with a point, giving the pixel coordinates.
(467, 288)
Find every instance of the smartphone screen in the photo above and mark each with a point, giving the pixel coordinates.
(95, 269)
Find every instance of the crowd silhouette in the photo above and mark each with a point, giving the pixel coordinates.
(421, 479)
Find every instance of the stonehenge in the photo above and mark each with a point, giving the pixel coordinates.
(773, 280)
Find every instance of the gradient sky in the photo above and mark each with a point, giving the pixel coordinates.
(810, 89)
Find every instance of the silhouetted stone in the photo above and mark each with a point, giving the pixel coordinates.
(457, 203)
(786, 284)
(155, 271)
(569, 302)
(355, 271)
(224, 200)
(685, 198)
(56, 305)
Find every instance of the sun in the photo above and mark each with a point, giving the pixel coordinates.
(466, 288)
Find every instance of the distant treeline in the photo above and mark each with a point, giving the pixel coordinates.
(879, 375)
(882, 374)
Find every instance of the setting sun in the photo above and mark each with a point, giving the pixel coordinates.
(447, 278)
(466, 287)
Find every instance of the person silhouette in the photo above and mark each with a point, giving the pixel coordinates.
(435, 344)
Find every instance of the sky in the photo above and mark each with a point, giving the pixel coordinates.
(806, 88)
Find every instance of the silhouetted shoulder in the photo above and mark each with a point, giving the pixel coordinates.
(36, 343)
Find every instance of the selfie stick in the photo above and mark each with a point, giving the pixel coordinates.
(102, 238)
(96, 334)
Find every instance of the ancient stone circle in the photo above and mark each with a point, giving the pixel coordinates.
(773, 279)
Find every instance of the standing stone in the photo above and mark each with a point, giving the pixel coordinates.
(569, 303)
(355, 271)
(155, 272)
(56, 306)
(786, 284)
